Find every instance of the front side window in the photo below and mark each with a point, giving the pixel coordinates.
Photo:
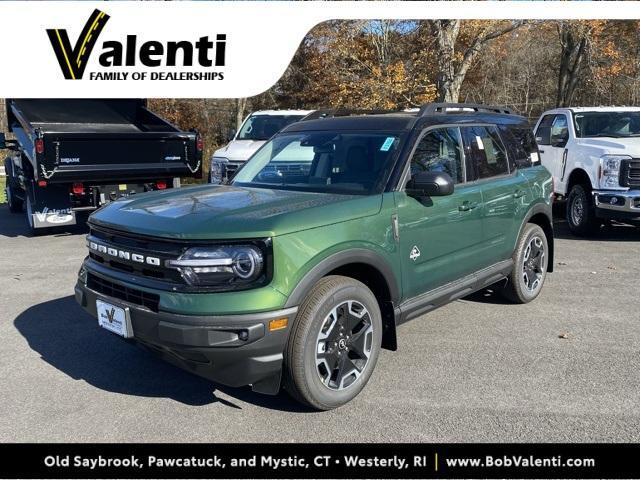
(607, 124)
(263, 127)
(440, 151)
(350, 163)
(485, 149)
(543, 133)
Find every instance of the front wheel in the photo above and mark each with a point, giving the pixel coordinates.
(530, 261)
(581, 215)
(335, 343)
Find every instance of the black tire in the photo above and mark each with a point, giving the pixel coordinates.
(333, 303)
(521, 286)
(14, 203)
(581, 215)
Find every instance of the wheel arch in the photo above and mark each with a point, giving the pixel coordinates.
(579, 176)
(367, 267)
(540, 214)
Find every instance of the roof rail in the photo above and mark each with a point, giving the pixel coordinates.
(342, 112)
(445, 108)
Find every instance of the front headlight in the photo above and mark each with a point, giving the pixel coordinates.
(217, 170)
(610, 170)
(231, 265)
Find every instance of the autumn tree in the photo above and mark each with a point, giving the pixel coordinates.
(458, 46)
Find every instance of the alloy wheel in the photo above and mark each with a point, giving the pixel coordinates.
(344, 345)
(533, 264)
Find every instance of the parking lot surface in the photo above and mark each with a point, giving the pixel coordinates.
(563, 368)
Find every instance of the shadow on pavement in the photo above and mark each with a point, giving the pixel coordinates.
(70, 340)
(613, 232)
(15, 225)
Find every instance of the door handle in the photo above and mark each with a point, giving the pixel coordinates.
(466, 206)
(519, 194)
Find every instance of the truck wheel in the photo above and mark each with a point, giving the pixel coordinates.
(581, 215)
(334, 344)
(530, 260)
(14, 202)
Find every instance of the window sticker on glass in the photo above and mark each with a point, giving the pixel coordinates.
(387, 144)
(479, 142)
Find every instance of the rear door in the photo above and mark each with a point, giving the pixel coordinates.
(502, 189)
(439, 236)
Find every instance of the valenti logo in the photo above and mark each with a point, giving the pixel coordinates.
(132, 59)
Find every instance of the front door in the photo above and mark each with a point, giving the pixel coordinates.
(552, 134)
(439, 236)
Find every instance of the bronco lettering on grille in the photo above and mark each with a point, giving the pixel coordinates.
(123, 254)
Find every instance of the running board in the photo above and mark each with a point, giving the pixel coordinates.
(440, 296)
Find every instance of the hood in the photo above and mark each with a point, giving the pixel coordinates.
(614, 146)
(227, 212)
(239, 150)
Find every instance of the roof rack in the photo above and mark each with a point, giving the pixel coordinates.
(446, 108)
(342, 112)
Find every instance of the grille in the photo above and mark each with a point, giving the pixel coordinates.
(230, 170)
(131, 295)
(630, 173)
(159, 249)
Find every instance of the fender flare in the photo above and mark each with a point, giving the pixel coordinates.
(336, 260)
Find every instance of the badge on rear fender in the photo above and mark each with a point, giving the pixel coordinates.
(415, 253)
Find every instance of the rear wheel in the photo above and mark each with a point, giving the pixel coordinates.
(13, 202)
(530, 261)
(335, 343)
(581, 215)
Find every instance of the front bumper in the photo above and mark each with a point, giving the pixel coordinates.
(617, 205)
(234, 350)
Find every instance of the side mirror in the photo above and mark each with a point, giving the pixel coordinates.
(558, 140)
(3, 141)
(231, 134)
(430, 184)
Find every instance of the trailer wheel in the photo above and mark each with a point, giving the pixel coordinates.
(14, 202)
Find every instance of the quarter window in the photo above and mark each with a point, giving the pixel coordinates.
(440, 151)
(486, 152)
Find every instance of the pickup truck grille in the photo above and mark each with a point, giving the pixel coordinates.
(230, 169)
(630, 173)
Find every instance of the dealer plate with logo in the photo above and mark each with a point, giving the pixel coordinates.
(113, 318)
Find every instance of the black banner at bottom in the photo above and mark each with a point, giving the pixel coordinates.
(319, 460)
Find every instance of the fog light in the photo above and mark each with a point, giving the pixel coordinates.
(614, 200)
(278, 324)
(243, 335)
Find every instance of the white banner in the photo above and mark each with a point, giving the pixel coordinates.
(201, 49)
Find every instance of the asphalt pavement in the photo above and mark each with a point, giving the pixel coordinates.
(563, 368)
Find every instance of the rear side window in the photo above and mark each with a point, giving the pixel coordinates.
(440, 151)
(521, 146)
(486, 151)
(543, 133)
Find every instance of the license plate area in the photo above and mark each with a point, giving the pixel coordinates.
(114, 318)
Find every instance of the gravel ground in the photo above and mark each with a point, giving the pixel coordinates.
(477, 370)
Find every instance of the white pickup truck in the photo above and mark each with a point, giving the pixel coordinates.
(593, 154)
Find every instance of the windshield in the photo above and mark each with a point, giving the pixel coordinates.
(350, 163)
(607, 124)
(263, 127)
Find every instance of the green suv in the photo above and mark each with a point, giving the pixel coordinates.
(335, 232)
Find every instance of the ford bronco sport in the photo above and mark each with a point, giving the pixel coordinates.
(299, 276)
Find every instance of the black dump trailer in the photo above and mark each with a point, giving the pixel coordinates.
(72, 156)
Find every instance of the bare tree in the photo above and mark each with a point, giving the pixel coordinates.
(573, 42)
(454, 65)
